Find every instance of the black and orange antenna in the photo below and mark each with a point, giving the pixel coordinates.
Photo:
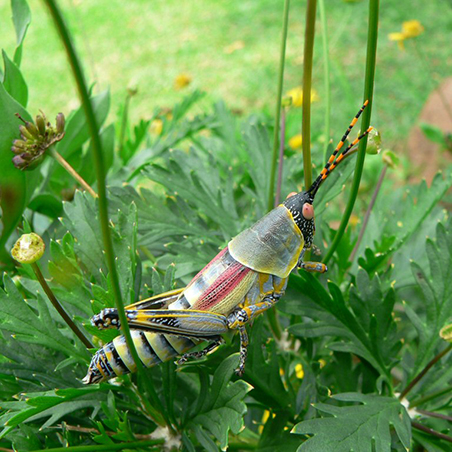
(333, 161)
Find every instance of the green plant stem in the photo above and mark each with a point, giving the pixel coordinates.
(368, 212)
(432, 396)
(125, 116)
(109, 447)
(272, 315)
(326, 58)
(102, 191)
(307, 88)
(421, 374)
(61, 160)
(58, 306)
(372, 36)
(281, 158)
(432, 432)
(282, 57)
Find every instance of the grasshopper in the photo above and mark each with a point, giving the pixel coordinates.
(245, 279)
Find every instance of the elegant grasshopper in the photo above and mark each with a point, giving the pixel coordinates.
(245, 279)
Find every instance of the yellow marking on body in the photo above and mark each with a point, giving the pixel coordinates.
(111, 360)
(99, 368)
(341, 143)
(156, 297)
(330, 160)
(124, 353)
(179, 344)
(236, 296)
(146, 358)
(354, 121)
(164, 353)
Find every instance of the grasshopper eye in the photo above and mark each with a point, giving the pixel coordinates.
(308, 211)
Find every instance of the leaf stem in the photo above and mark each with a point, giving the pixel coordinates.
(102, 191)
(437, 415)
(58, 306)
(369, 210)
(307, 87)
(64, 163)
(282, 57)
(419, 376)
(431, 431)
(372, 37)
(327, 76)
(281, 157)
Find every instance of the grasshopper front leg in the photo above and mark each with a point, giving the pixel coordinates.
(317, 267)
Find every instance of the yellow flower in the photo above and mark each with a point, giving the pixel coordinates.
(182, 81)
(297, 96)
(412, 28)
(156, 127)
(399, 38)
(299, 372)
(296, 141)
(236, 45)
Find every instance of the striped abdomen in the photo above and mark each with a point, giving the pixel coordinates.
(115, 359)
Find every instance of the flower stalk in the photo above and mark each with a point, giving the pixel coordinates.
(372, 37)
(28, 250)
(64, 163)
(102, 192)
(307, 87)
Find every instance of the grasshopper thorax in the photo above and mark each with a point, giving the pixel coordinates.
(300, 206)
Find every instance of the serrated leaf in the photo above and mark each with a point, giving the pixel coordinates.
(19, 319)
(223, 407)
(359, 428)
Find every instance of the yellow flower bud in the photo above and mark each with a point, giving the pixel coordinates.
(296, 141)
(374, 142)
(390, 159)
(28, 249)
(446, 333)
(182, 81)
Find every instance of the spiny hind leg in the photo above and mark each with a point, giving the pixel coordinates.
(201, 353)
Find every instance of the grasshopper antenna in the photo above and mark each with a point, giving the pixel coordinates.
(333, 161)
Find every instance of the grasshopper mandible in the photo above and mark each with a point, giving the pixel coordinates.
(245, 279)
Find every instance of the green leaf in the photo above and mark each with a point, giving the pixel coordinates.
(14, 82)
(21, 20)
(360, 428)
(436, 293)
(433, 133)
(18, 318)
(331, 317)
(77, 131)
(223, 406)
(14, 193)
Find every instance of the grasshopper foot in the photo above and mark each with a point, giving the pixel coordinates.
(199, 354)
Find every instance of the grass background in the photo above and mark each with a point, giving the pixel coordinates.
(147, 44)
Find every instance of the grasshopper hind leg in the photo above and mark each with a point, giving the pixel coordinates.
(216, 342)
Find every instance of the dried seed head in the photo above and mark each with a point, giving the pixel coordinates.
(35, 140)
(28, 249)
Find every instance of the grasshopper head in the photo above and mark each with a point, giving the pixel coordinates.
(300, 206)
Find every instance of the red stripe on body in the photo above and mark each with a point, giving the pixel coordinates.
(224, 285)
(217, 257)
